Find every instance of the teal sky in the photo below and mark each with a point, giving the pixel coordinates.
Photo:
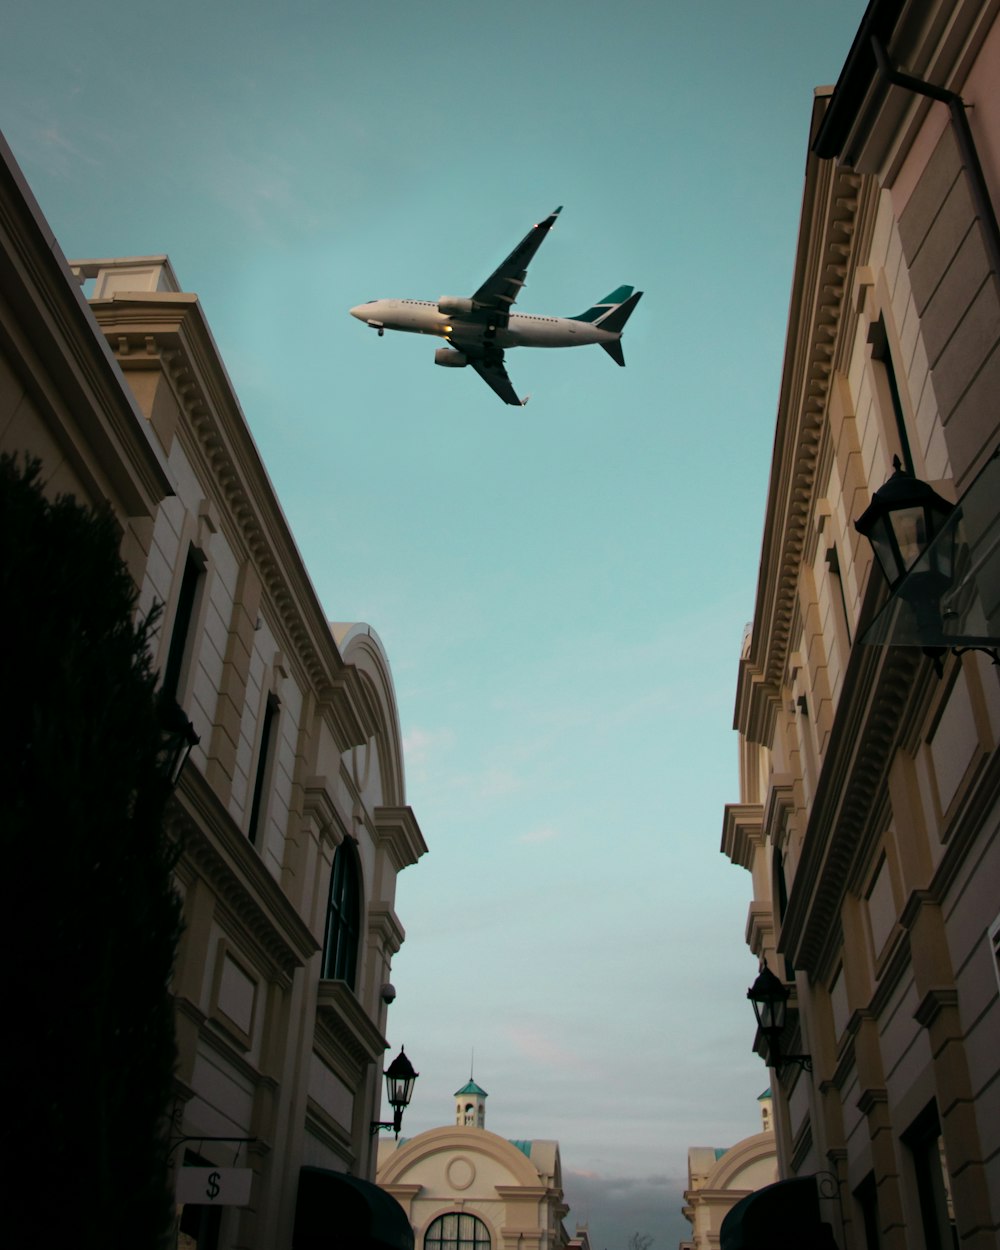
(561, 589)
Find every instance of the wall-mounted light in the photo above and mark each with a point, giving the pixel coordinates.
(769, 999)
(903, 518)
(399, 1078)
(943, 590)
(177, 739)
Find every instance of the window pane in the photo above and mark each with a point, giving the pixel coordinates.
(457, 1231)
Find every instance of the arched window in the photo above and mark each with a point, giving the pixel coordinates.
(457, 1231)
(343, 917)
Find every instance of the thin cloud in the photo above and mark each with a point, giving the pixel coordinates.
(542, 1050)
(419, 745)
(544, 833)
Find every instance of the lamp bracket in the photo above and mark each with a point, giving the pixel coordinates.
(802, 1061)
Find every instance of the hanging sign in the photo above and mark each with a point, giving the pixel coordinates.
(214, 1187)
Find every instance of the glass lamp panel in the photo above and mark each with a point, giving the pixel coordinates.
(883, 541)
(399, 1077)
(769, 997)
(913, 529)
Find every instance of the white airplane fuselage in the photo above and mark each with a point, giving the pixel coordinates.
(417, 316)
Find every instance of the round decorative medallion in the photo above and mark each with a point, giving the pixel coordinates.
(460, 1173)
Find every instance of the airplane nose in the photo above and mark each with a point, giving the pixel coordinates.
(359, 311)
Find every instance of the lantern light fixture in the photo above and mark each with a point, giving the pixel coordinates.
(399, 1077)
(177, 738)
(769, 998)
(902, 520)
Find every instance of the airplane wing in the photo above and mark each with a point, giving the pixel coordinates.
(491, 369)
(503, 286)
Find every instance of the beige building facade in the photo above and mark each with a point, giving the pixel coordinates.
(464, 1188)
(719, 1178)
(869, 813)
(292, 807)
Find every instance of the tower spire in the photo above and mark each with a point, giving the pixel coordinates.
(470, 1103)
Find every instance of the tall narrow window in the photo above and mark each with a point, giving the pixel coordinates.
(181, 639)
(833, 563)
(781, 894)
(268, 738)
(879, 340)
(343, 917)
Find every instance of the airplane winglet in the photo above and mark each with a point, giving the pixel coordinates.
(524, 402)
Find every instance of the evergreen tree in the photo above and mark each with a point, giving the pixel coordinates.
(91, 917)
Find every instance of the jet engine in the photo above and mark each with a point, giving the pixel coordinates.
(450, 358)
(451, 305)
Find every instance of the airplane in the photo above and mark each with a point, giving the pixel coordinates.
(480, 328)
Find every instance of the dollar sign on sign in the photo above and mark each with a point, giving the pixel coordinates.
(212, 1189)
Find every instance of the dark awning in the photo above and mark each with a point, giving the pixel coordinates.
(340, 1212)
(784, 1216)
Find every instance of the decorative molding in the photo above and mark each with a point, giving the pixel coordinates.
(168, 332)
(742, 832)
(850, 795)
(933, 1003)
(778, 809)
(830, 211)
(397, 830)
(64, 363)
(347, 1023)
(871, 1099)
(760, 928)
(385, 928)
(320, 810)
(215, 849)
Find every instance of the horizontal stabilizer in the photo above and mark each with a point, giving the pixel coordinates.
(614, 350)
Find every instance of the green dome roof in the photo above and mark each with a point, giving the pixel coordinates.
(471, 1088)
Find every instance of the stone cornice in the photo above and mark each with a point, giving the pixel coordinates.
(384, 926)
(872, 1098)
(778, 808)
(347, 1023)
(46, 324)
(933, 1003)
(214, 848)
(760, 928)
(742, 832)
(168, 332)
(320, 808)
(397, 830)
(850, 796)
(824, 259)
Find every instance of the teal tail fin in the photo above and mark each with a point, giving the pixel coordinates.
(606, 305)
(612, 315)
(616, 318)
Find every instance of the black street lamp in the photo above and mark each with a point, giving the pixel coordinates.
(399, 1077)
(907, 524)
(903, 518)
(177, 739)
(769, 999)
